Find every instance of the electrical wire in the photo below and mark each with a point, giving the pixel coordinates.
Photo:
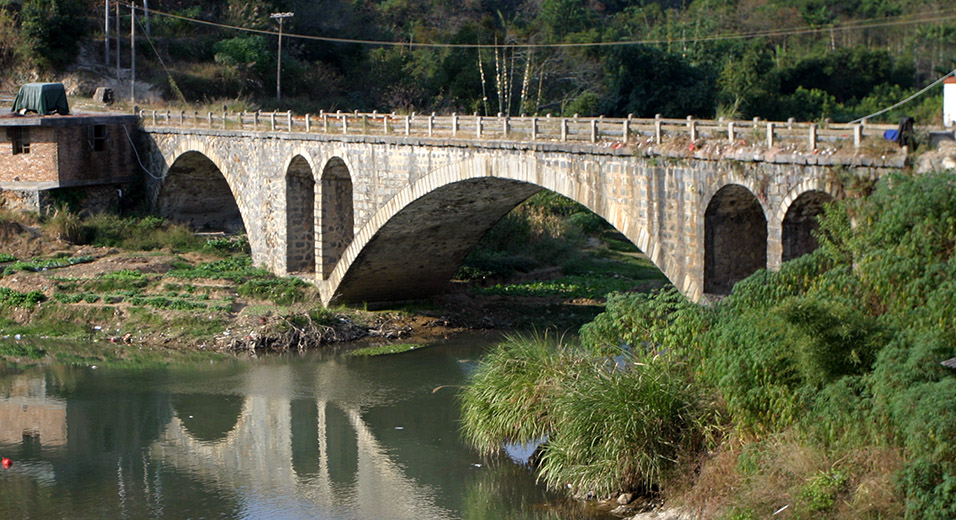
(920, 18)
(140, 161)
(907, 100)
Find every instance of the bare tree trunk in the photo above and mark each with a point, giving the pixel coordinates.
(498, 78)
(484, 93)
(527, 77)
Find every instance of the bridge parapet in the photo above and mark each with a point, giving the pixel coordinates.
(858, 144)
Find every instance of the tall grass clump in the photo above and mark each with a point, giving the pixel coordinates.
(611, 423)
(510, 395)
(67, 226)
(620, 427)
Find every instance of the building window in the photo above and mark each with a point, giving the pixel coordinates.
(20, 137)
(98, 138)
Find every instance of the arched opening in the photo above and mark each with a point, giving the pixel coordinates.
(735, 238)
(801, 222)
(300, 217)
(338, 221)
(196, 193)
(418, 250)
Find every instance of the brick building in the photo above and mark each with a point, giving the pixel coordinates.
(90, 154)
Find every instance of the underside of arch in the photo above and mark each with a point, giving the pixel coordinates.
(418, 250)
(800, 223)
(735, 238)
(195, 192)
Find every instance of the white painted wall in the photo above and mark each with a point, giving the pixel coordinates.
(949, 101)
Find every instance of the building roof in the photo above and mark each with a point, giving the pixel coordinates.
(74, 119)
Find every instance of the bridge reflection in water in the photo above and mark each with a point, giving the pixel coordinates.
(312, 437)
(345, 465)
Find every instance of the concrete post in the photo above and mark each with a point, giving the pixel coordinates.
(505, 122)
(408, 125)
(272, 121)
(431, 124)
(657, 130)
(209, 119)
(308, 123)
(478, 127)
(345, 123)
(857, 136)
(385, 124)
(770, 135)
(534, 128)
(790, 122)
(325, 122)
(154, 118)
(454, 124)
(564, 129)
(731, 136)
(813, 136)
(692, 128)
(594, 130)
(626, 130)
(289, 117)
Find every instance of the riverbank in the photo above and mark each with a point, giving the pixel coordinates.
(822, 390)
(182, 294)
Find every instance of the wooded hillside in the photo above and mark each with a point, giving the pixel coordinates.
(808, 59)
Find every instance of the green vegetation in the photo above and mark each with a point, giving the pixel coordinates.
(827, 373)
(547, 237)
(536, 387)
(11, 298)
(43, 265)
(382, 350)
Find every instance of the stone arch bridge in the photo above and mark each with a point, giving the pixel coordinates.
(374, 209)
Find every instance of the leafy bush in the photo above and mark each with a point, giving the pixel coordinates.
(11, 298)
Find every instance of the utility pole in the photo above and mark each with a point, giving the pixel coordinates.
(146, 14)
(118, 29)
(280, 17)
(106, 31)
(132, 53)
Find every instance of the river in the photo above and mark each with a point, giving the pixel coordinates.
(316, 436)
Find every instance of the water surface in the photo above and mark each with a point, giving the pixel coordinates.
(318, 436)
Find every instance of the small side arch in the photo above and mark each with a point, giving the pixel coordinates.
(300, 215)
(735, 238)
(800, 222)
(337, 215)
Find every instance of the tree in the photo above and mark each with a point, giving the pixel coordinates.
(50, 32)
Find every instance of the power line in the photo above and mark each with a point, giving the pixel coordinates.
(920, 18)
(907, 100)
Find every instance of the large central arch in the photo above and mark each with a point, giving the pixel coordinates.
(413, 245)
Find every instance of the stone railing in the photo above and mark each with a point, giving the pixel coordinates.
(613, 132)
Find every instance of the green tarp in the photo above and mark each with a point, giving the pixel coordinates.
(42, 98)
